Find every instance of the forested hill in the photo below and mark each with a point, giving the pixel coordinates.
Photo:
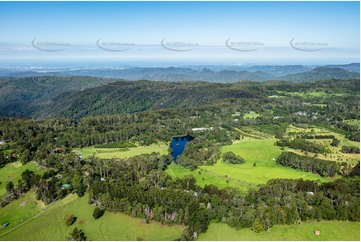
(137, 96)
(27, 95)
(77, 97)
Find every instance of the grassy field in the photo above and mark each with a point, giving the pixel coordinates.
(330, 230)
(204, 177)
(251, 115)
(261, 152)
(49, 225)
(89, 151)
(12, 172)
(18, 215)
(15, 214)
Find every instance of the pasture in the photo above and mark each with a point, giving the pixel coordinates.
(336, 154)
(330, 231)
(12, 172)
(109, 153)
(261, 152)
(19, 214)
(204, 177)
(49, 225)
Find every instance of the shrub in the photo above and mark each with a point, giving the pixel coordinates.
(97, 213)
(232, 158)
(69, 219)
(76, 235)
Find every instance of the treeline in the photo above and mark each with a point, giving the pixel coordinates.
(303, 145)
(350, 149)
(307, 136)
(309, 164)
(116, 145)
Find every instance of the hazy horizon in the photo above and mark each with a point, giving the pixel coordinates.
(179, 33)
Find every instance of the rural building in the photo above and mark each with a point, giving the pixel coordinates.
(65, 186)
(58, 149)
(301, 113)
(202, 129)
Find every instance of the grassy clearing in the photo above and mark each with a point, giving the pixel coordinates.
(248, 134)
(319, 105)
(112, 226)
(12, 172)
(245, 176)
(330, 230)
(354, 122)
(89, 151)
(251, 115)
(311, 94)
(236, 114)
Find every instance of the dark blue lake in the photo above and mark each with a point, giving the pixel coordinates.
(178, 145)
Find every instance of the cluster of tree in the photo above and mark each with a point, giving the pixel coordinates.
(352, 132)
(5, 159)
(307, 136)
(309, 164)
(199, 151)
(335, 142)
(232, 158)
(303, 145)
(283, 201)
(350, 149)
(13, 192)
(97, 213)
(46, 189)
(69, 219)
(355, 171)
(76, 235)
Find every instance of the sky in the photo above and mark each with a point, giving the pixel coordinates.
(162, 33)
